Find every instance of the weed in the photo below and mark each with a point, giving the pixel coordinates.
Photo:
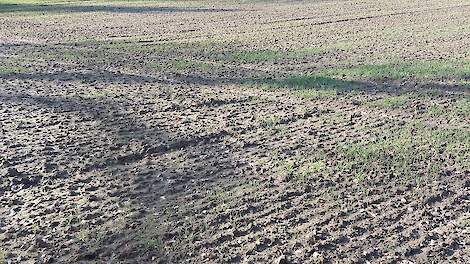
(35, 228)
(83, 235)
(218, 196)
(149, 235)
(308, 169)
(303, 169)
(289, 168)
(94, 243)
(390, 102)
(72, 55)
(271, 122)
(181, 65)
(436, 111)
(185, 65)
(418, 181)
(360, 177)
(3, 257)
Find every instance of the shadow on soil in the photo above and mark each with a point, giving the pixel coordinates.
(98, 76)
(298, 83)
(148, 186)
(59, 8)
(141, 184)
(323, 83)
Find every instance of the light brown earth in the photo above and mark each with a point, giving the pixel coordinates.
(235, 131)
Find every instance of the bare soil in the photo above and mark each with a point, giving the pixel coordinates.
(143, 132)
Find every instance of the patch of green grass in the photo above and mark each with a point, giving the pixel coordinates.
(255, 56)
(149, 236)
(308, 83)
(463, 83)
(3, 257)
(219, 196)
(271, 122)
(456, 70)
(37, 2)
(436, 111)
(260, 56)
(303, 169)
(309, 169)
(413, 152)
(7, 6)
(182, 65)
(83, 235)
(128, 44)
(69, 54)
(67, 6)
(92, 239)
(316, 94)
(72, 55)
(194, 49)
(329, 82)
(390, 102)
(4, 69)
(223, 198)
(459, 109)
(158, 66)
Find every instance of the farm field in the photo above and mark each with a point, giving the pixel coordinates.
(246, 131)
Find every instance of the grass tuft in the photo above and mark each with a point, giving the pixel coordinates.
(392, 102)
(11, 69)
(3, 257)
(271, 122)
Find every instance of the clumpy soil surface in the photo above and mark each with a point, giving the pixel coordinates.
(235, 131)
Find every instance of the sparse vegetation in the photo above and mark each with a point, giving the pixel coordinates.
(11, 69)
(183, 65)
(149, 236)
(307, 170)
(413, 152)
(271, 122)
(174, 131)
(316, 94)
(457, 109)
(391, 102)
(269, 56)
(83, 235)
(451, 70)
(304, 169)
(309, 85)
(2, 257)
